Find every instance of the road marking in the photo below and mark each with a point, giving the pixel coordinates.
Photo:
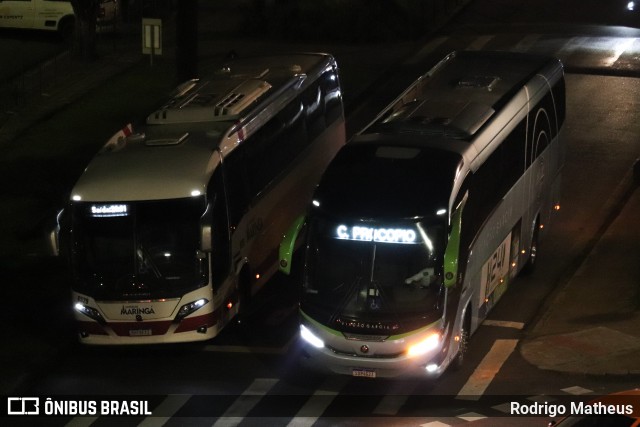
(471, 416)
(503, 324)
(246, 402)
(526, 43)
(487, 370)
(165, 410)
(480, 42)
(569, 46)
(577, 390)
(619, 48)
(318, 402)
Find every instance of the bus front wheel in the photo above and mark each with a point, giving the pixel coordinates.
(458, 361)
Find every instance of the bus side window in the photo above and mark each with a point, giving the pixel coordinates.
(543, 126)
(312, 100)
(559, 100)
(513, 156)
(332, 96)
(237, 180)
(220, 238)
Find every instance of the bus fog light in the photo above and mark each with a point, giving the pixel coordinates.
(89, 312)
(428, 344)
(309, 337)
(187, 309)
(431, 368)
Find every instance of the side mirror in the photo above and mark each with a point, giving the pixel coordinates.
(206, 229)
(452, 252)
(52, 234)
(288, 244)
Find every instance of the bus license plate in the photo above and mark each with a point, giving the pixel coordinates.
(366, 373)
(140, 332)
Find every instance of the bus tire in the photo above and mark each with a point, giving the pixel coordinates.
(531, 263)
(465, 332)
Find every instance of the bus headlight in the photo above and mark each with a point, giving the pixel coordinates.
(310, 337)
(426, 345)
(187, 309)
(89, 312)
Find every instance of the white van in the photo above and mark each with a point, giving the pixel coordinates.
(52, 15)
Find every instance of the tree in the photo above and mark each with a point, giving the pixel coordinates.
(86, 11)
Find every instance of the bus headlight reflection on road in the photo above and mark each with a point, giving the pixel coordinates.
(309, 337)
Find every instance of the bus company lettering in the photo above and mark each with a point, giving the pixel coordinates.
(135, 310)
(373, 234)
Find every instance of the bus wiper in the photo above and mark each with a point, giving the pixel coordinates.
(146, 262)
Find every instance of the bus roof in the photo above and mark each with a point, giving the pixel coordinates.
(462, 93)
(173, 154)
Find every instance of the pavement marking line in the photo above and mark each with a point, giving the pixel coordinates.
(619, 48)
(479, 43)
(576, 390)
(503, 324)
(526, 43)
(472, 416)
(487, 370)
(318, 402)
(165, 410)
(245, 402)
(569, 46)
(81, 422)
(253, 350)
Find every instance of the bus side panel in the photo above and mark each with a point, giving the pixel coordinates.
(284, 200)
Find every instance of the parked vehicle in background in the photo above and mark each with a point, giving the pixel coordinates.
(51, 15)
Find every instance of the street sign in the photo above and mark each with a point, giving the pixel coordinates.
(151, 37)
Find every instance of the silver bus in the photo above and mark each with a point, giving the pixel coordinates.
(422, 221)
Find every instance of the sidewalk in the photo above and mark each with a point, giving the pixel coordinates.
(592, 325)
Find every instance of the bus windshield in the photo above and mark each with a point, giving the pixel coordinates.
(138, 249)
(364, 274)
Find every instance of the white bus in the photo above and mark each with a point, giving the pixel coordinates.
(51, 15)
(421, 221)
(175, 224)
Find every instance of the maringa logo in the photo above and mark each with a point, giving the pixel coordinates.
(135, 310)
